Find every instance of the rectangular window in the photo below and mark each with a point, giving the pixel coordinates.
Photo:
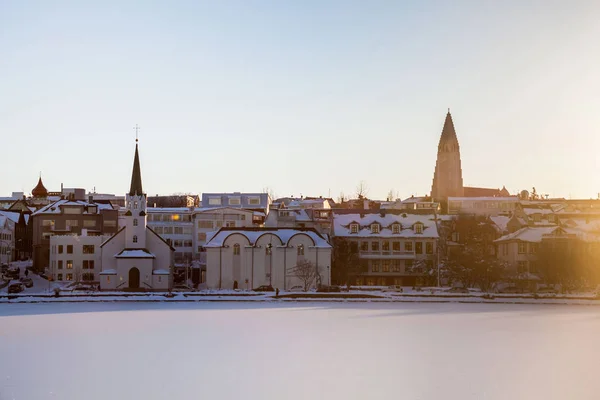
(522, 248)
(205, 224)
(385, 266)
(419, 228)
(375, 246)
(158, 229)
(59, 277)
(89, 223)
(214, 201)
(396, 246)
(60, 249)
(396, 265)
(408, 246)
(69, 264)
(84, 264)
(408, 265)
(522, 266)
(88, 249)
(354, 228)
(375, 228)
(429, 248)
(69, 249)
(187, 243)
(48, 222)
(254, 201)
(201, 236)
(230, 224)
(234, 201)
(60, 264)
(533, 247)
(168, 230)
(385, 246)
(419, 247)
(533, 267)
(364, 246)
(375, 266)
(395, 228)
(72, 222)
(110, 223)
(178, 230)
(69, 277)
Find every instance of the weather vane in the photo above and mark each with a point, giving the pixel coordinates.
(136, 128)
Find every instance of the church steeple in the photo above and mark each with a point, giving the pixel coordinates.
(136, 175)
(448, 132)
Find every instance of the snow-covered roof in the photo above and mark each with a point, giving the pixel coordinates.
(500, 221)
(160, 272)
(135, 253)
(486, 198)
(155, 210)
(13, 216)
(54, 208)
(284, 234)
(342, 222)
(531, 211)
(109, 272)
(528, 234)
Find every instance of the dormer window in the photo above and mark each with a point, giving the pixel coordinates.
(353, 228)
(375, 228)
(418, 228)
(396, 229)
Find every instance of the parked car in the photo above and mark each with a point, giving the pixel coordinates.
(13, 273)
(264, 288)
(296, 288)
(28, 282)
(329, 289)
(16, 288)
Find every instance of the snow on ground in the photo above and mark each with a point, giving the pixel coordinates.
(298, 351)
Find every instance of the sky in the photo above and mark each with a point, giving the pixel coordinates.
(301, 97)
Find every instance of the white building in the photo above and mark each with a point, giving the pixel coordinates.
(76, 258)
(252, 257)
(390, 246)
(7, 238)
(136, 257)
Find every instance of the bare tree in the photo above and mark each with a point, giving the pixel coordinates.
(270, 192)
(392, 195)
(342, 198)
(306, 272)
(362, 190)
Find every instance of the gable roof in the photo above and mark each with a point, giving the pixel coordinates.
(160, 237)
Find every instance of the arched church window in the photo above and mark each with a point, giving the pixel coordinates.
(135, 222)
(134, 239)
(236, 249)
(135, 205)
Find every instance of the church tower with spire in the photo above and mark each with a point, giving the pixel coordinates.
(447, 178)
(136, 207)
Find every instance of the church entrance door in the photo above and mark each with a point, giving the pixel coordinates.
(134, 278)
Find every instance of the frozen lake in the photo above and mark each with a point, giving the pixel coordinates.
(298, 351)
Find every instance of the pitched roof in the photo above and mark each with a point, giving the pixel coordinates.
(253, 234)
(136, 175)
(341, 225)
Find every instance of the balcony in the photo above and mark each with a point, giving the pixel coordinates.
(392, 255)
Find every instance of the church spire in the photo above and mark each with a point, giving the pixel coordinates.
(136, 175)
(448, 132)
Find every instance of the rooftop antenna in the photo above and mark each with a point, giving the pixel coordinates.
(136, 128)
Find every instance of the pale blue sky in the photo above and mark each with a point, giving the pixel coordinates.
(304, 97)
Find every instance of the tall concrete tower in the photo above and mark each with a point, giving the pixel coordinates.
(447, 178)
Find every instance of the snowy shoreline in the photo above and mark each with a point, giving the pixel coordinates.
(226, 297)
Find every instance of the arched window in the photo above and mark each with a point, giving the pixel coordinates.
(134, 239)
(135, 205)
(236, 249)
(135, 222)
(300, 249)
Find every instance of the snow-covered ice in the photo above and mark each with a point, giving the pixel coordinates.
(298, 351)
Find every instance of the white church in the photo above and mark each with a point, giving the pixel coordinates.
(136, 258)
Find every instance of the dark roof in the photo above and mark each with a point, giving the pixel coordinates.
(39, 190)
(136, 176)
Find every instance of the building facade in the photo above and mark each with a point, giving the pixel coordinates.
(252, 257)
(68, 217)
(76, 258)
(393, 249)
